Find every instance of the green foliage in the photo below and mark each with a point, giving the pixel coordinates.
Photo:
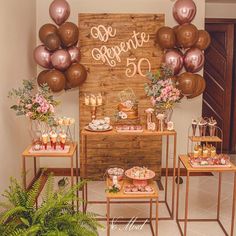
(54, 217)
(36, 103)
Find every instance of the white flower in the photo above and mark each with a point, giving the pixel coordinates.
(122, 115)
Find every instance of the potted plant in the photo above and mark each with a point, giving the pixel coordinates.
(54, 216)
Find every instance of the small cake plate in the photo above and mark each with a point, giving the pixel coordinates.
(104, 130)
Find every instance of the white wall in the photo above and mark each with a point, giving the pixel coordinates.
(183, 113)
(17, 40)
(221, 10)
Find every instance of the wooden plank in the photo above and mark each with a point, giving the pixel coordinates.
(126, 151)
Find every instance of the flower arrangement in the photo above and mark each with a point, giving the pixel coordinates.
(34, 103)
(162, 89)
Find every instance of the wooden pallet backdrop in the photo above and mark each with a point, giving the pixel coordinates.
(111, 76)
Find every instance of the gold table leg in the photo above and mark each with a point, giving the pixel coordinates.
(233, 207)
(186, 204)
(157, 217)
(108, 217)
(24, 171)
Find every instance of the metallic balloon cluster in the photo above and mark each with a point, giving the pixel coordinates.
(184, 45)
(59, 53)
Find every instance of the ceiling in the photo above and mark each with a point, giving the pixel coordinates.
(221, 1)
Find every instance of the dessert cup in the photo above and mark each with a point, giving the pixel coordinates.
(212, 130)
(63, 140)
(200, 127)
(53, 138)
(194, 127)
(204, 130)
(45, 140)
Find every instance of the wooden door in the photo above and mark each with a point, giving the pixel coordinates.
(218, 74)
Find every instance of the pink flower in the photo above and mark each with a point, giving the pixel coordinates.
(29, 114)
(29, 106)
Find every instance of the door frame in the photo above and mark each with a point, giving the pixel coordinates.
(232, 72)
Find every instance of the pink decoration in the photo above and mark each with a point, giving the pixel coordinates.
(184, 11)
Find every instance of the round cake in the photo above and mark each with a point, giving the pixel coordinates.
(128, 108)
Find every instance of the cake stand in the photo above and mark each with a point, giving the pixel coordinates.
(140, 181)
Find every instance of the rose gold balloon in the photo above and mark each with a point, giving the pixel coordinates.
(174, 59)
(69, 34)
(59, 11)
(46, 30)
(187, 35)
(55, 80)
(204, 40)
(61, 59)
(193, 60)
(200, 86)
(165, 37)
(41, 79)
(74, 54)
(76, 75)
(52, 42)
(184, 11)
(42, 57)
(187, 83)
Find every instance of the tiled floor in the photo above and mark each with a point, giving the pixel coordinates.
(203, 197)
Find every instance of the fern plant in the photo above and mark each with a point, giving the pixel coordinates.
(54, 217)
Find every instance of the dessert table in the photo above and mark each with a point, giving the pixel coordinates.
(83, 162)
(120, 196)
(184, 160)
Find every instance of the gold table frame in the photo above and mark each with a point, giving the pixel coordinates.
(73, 151)
(83, 164)
(184, 159)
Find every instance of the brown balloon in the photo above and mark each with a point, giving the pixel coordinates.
(69, 34)
(41, 79)
(52, 42)
(187, 35)
(46, 30)
(204, 40)
(200, 86)
(187, 83)
(165, 37)
(56, 80)
(175, 28)
(76, 75)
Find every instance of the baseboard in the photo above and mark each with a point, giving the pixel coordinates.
(66, 172)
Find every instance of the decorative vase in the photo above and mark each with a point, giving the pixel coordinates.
(36, 129)
(163, 116)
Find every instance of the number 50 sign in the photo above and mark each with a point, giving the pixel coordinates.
(134, 67)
